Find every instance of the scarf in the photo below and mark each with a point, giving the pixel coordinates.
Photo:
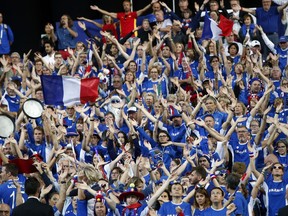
(131, 210)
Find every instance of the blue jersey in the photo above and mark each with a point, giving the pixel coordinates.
(40, 149)
(241, 204)
(178, 133)
(13, 102)
(8, 193)
(215, 212)
(239, 151)
(162, 87)
(219, 118)
(198, 212)
(169, 209)
(104, 151)
(282, 57)
(71, 122)
(276, 198)
(165, 154)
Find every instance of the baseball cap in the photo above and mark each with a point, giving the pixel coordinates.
(132, 109)
(283, 39)
(255, 43)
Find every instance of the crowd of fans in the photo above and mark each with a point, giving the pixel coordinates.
(183, 125)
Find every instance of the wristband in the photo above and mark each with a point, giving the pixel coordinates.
(199, 186)
(251, 154)
(109, 191)
(213, 176)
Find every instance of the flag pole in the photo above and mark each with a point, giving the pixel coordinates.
(173, 6)
(131, 2)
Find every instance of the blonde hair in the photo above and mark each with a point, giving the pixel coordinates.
(91, 173)
(172, 97)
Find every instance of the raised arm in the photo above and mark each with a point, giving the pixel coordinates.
(99, 25)
(254, 111)
(155, 196)
(140, 12)
(282, 7)
(94, 7)
(259, 181)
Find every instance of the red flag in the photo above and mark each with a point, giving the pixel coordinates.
(225, 25)
(24, 165)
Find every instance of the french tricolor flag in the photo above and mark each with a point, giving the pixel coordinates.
(212, 30)
(68, 91)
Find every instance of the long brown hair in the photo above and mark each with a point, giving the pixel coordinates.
(204, 192)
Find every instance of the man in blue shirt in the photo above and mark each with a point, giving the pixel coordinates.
(239, 147)
(66, 35)
(6, 37)
(170, 208)
(217, 208)
(36, 142)
(219, 117)
(8, 189)
(232, 182)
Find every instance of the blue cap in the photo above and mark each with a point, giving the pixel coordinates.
(71, 132)
(283, 39)
(161, 180)
(174, 113)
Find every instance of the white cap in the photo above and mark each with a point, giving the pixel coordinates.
(255, 43)
(132, 109)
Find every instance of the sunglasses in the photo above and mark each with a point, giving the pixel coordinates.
(115, 101)
(277, 167)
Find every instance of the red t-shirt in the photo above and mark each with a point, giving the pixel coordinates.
(111, 28)
(127, 22)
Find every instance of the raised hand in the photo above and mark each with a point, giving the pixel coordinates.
(82, 25)
(16, 183)
(199, 122)
(279, 107)
(94, 7)
(259, 28)
(83, 185)
(26, 56)
(46, 190)
(267, 110)
(147, 144)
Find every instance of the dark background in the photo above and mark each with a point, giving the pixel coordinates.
(28, 18)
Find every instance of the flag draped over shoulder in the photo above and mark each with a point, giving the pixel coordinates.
(212, 30)
(68, 91)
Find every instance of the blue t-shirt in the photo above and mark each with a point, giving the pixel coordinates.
(169, 209)
(8, 193)
(240, 152)
(276, 197)
(215, 212)
(241, 204)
